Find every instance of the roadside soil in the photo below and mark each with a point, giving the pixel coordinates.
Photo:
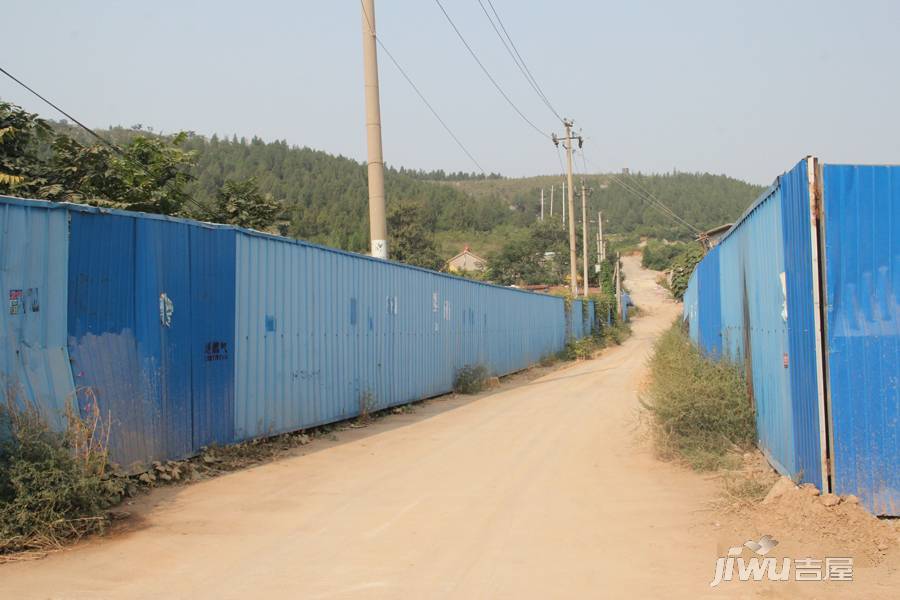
(545, 487)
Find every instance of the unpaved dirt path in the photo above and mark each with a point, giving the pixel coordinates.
(545, 490)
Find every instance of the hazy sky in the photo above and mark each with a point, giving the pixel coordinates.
(738, 87)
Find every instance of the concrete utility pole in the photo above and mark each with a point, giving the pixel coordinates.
(542, 204)
(377, 222)
(602, 247)
(599, 251)
(584, 236)
(618, 290)
(551, 201)
(573, 256)
(564, 203)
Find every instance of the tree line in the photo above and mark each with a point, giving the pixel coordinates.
(309, 194)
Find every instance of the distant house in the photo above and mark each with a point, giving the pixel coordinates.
(466, 261)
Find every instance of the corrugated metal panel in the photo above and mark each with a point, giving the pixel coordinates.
(137, 367)
(34, 361)
(321, 332)
(150, 323)
(591, 317)
(862, 258)
(755, 303)
(710, 321)
(803, 326)
(691, 310)
(212, 335)
(762, 234)
(576, 319)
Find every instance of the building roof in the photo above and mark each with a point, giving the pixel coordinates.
(470, 253)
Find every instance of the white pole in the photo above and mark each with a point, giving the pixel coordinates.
(377, 222)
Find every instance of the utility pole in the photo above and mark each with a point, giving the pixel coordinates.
(618, 290)
(564, 203)
(573, 256)
(377, 222)
(599, 251)
(551, 201)
(542, 204)
(584, 236)
(602, 247)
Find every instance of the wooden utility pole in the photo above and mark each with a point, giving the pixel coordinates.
(584, 236)
(542, 204)
(573, 256)
(377, 221)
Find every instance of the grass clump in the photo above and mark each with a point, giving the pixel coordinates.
(470, 379)
(54, 486)
(699, 407)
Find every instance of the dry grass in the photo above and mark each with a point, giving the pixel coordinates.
(54, 486)
(699, 407)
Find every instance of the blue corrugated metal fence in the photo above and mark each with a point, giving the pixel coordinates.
(188, 334)
(757, 299)
(862, 256)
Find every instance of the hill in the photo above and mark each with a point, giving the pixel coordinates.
(703, 199)
(324, 197)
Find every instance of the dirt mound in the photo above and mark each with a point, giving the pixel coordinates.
(809, 523)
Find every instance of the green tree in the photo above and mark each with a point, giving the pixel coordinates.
(241, 203)
(21, 136)
(148, 174)
(411, 236)
(537, 255)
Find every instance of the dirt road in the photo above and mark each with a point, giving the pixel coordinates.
(544, 490)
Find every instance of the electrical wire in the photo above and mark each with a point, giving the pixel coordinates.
(646, 196)
(655, 203)
(638, 185)
(115, 148)
(517, 58)
(522, 60)
(487, 73)
(419, 92)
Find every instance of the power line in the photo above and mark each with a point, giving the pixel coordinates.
(99, 137)
(562, 168)
(655, 203)
(58, 109)
(517, 58)
(419, 93)
(487, 73)
(646, 196)
(638, 185)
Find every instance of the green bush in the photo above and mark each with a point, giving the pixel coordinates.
(700, 407)
(658, 255)
(682, 267)
(470, 379)
(53, 486)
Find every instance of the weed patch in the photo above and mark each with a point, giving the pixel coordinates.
(699, 407)
(54, 486)
(470, 379)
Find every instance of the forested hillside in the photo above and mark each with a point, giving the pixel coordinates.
(704, 200)
(323, 198)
